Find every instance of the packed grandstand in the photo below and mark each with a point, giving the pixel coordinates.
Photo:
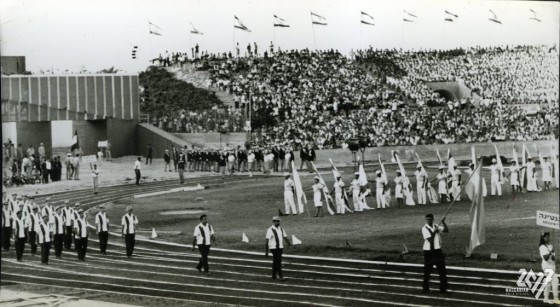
(326, 98)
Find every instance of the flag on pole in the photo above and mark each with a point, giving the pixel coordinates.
(541, 160)
(75, 142)
(535, 17)
(473, 156)
(295, 241)
(195, 30)
(406, 183)
(238, 24)
(362, 178)
(450, 16)
(244, 238)
(317, 19)
(326, 195)
(154, 29)
(471, 185)
(300, 196)
(279, 22)
(430, 191)
(499, 163)
(387, 194)
(336, 174)
(515, 157)
(494, 18)
(478, 233)
(154, 234)
(450, 161)
(366, 19)
(364, 190)
(439, 157)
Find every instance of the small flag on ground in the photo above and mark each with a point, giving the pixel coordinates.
(405, 250)
(348, 244)
(154, 234)
(244, 238)
(295, 241)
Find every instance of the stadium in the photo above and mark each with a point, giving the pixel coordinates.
(328, 155)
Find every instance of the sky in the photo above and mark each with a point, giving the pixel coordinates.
(75, 34)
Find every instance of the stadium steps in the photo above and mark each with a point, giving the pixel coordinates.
(198, 79)
(165, 136)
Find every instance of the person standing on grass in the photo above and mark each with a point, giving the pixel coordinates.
(149, 154)
(546, 173)
(203, 237)
(95, 176)
(68, 217)
(548, 256)
(137, 167)
(289, 188)
(275, 238)
(318, 189)
(129, 224)
(433, 254)
(102, 223)
(167, 160)
(181, 163)
(108, 151)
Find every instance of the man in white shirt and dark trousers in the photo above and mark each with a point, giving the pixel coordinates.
(275, 236)
(203, 236)
(81, 235)
(68, 217)
(137, 167)
(19, 235)
(32, 224)
(44, 238)
(57, 225)
(6, 225)
(129, 224)
(102, 223)
(433, 254)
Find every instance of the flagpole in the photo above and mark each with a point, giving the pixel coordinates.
(479, 164)
(313, 29)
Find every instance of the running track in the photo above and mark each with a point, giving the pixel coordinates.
(167, 271)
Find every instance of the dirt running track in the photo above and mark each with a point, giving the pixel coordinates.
(168, 271)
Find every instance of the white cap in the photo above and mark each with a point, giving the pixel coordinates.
(356, 174)
(494, 160)
(286, 174)
(378, 172)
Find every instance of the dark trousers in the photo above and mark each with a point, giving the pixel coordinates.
(137, 171)
(45, 251)
(58, 242)
(182, 174)
(277, 262)
(203, 262)
(6, 234)
(431, 258)
(20, 246)
(149, 158)
(81, 247)
(33, 242)
(103, 238)
(129, 240)
(68, 237)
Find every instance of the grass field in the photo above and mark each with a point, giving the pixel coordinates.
(246, 205)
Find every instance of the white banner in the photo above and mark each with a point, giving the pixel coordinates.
(102, 143)
(547, 219)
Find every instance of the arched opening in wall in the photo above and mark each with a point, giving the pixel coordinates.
(446, 94)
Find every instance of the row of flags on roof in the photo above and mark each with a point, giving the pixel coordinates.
(319, 20)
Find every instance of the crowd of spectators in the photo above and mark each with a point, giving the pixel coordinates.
(33, 165)
(326, 98)
(202, 121)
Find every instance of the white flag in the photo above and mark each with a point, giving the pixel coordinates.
(295, 241)
(154, 234)
(300, 195)
(244, 238)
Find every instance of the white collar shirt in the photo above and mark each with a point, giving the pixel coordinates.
(6, 217)
(429, 232)
(32, 222)
(129, 221)
(102, 221)
(275, 237)
(67, 216)
(203, 234)
(380, 182)
(43, 232)
(80, 226)
(137, 165)
(338, 185)
(19, 228)
(57, 224)
(288, 185)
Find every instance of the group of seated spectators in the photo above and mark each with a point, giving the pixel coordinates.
(202, 121)
(327, 98)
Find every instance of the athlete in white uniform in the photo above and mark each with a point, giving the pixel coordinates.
(495, 178)
(317, 192)
(380, 183)
(546, 173)
(339, 197)
(289, 188)
(421, 184)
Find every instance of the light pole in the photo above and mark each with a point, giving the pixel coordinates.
(354, 146)
(363, 141)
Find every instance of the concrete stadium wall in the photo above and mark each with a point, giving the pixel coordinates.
(159, 139)
(122, 136)
(428, 152)
(34, 133)
(69, 97)
(89, 133)
(212, 140)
